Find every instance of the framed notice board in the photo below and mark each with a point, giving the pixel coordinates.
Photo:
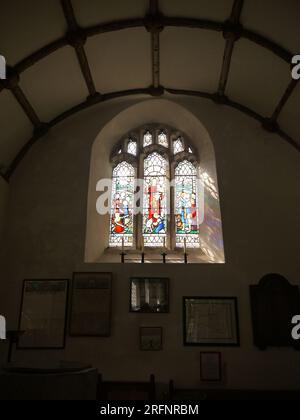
(210, 321)
(43, 314)
(91, 304)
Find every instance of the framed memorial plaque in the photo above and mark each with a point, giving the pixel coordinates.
(210, 321)
(43, 314)
(91, 304)
(211, 366)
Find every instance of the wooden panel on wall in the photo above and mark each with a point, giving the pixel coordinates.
(274, 302)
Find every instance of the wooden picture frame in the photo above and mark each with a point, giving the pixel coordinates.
(210, 321)
(91, 305)
(211, 367)
(149, 295)
(151, 338)
(43, 314)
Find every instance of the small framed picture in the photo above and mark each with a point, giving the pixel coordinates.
(151, 338)
(149, 294)
(211, 366)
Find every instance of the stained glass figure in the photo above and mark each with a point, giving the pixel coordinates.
(178, 146)
(121, 221)
(162, 139)
(186, 205)
(132, 147)
(147, 139)
(155, 200)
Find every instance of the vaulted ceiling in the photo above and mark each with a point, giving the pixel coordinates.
(67, 55)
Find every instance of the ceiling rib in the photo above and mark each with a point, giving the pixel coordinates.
(216, 98)
(155, 45)
(114, 26)
(231, 37)
(153, 7)
(40, 54)
(26, 106)
(12, 84)
(142, 91)
(268, 44)
(155, 59)
(154, 26)
(287, 94)
(76, 37)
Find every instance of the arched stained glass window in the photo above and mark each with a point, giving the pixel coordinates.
(178, 146)
(163, 139)
(146, 221)
(147, 141)
(121, 220)
(155, 200)
(132, 147)
(186, 205)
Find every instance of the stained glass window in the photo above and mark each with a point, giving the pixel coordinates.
(121, 220)
(155, 169)
(132, 147)
(162, 139)
(147, 139)
(178, 146)
(155, 200)
(186, 205)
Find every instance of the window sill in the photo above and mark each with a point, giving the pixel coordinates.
(154, 256)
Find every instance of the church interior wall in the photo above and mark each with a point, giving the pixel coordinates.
(47, 221)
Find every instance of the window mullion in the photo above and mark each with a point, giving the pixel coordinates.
(172, 235)
(139, 216)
